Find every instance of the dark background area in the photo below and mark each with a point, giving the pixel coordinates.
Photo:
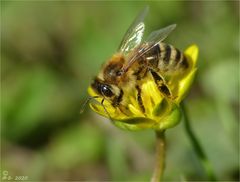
(50, 52)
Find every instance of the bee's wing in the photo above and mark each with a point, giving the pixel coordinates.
(161, 34)
(134, 34)
(154, 38)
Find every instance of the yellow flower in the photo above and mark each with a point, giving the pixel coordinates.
(160, 112)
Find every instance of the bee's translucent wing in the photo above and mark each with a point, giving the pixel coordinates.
(161, 34)
(134, 34)
(154, 38)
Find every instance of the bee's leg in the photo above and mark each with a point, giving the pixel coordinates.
(139, 98)
(117, 103)
(124, 109)
(141, 72)
(161, 84)
(106, 110)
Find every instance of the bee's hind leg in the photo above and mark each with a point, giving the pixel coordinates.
(161, 84)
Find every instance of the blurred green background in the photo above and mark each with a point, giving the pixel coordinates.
(50, 52)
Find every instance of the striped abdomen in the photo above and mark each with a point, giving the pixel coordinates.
(166, 59)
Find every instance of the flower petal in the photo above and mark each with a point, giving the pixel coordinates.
(184, 86)
(150, 96)
(192, 52)
(135, 111)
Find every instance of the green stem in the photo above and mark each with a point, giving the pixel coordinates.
(160, 157)
(198, 148)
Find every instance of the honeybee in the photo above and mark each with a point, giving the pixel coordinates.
(135, 60)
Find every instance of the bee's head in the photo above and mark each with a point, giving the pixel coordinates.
(106, 90)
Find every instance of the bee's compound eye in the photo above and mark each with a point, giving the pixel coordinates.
(106, 91)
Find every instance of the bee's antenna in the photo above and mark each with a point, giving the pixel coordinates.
(85, 103)
(89, 99)
(106, 110)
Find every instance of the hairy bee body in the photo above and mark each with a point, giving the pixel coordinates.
(162, 58)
